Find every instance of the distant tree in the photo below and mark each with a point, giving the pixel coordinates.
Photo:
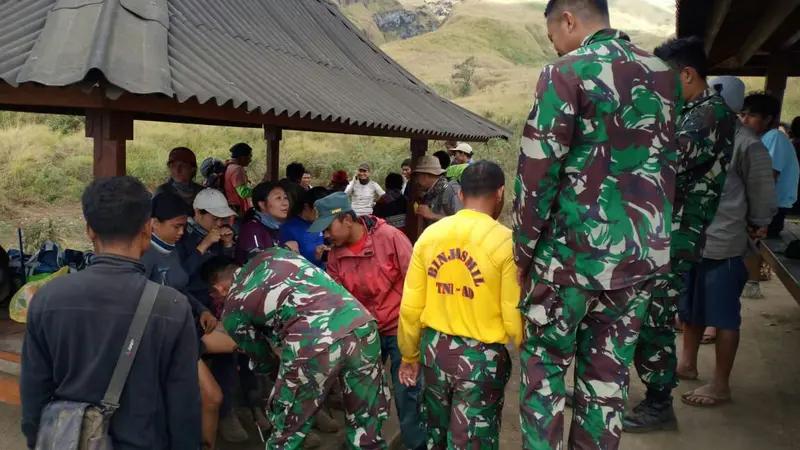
(462, 76)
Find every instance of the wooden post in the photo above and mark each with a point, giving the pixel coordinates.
(777, 74)
(273, 136)
(109, 130)
(414, 224)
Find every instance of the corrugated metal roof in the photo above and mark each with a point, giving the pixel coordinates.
(294, 57)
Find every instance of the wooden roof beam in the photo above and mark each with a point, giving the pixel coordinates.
(718, 12)
(774, 16)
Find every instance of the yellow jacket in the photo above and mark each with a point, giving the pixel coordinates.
(462, 282)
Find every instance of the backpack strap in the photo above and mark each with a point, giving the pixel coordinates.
(130, 347)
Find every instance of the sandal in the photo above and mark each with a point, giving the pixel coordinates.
(708, 339)
(687, 397)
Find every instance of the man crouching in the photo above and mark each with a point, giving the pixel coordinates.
(280, 298)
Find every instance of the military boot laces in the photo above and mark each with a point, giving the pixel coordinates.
(651, 415)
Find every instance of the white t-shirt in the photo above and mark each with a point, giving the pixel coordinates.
(363, 196)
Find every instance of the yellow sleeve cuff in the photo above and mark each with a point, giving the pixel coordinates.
(411, 360)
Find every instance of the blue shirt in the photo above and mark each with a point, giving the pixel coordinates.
(296, 229)
(784, 160)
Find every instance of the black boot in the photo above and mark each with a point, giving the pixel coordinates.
(651, 415)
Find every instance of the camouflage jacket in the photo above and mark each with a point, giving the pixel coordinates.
(280, 298)
(705, 147)
(596, 175)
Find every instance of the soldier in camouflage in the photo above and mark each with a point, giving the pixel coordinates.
(706, 131)
(281, 300)
(592, 221)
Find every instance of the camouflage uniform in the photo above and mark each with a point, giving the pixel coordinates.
(470, 375)
(592, 221)
(705, 146)
(281, 299)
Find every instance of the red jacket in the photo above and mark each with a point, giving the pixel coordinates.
(376, 275)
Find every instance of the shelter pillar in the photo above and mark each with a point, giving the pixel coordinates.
(414, 224)
(777, 74)
(109, 130)
(273, 136)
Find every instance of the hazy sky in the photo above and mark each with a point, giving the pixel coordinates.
(669, 5)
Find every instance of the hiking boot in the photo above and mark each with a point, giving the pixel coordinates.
(651, 415)
(231, 429)
(752, 290)
(261, 420)
(326, 423)
(312, 441)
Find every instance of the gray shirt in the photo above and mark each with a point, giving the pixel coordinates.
(443, 199)
(749, 198)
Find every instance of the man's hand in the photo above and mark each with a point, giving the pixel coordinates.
(293, 246)
(208, 322)
(408, 373)
(211, 238)
(226, 234)
(320, 251)
(757, 234)
(425, 212)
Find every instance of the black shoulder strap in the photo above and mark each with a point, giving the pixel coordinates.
(130, 347)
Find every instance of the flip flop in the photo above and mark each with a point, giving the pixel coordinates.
(708, 339)
(715, 401)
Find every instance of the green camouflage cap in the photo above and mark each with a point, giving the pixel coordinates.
(327, 209)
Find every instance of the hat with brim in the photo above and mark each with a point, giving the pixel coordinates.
(430, 165)
(328, 209)
(214, 202)
(463, 148)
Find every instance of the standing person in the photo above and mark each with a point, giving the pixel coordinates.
(182, 164)
(405, 168)
(295, 172)
(393, 205)
(592, 221)
(206, 237)
(363, 191)
(439, 196)
(78, 325)
(279, 299)
(760, 114)
(370, 259)
(339, 181)
(305, 183)
(163, 265)
(706, 130)
(237, 185)
(261, 224)
(459, 309)
(295, 229)
(714, 285)
(462, 158)
(213, 172)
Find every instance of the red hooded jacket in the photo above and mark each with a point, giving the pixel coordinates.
(376, 275)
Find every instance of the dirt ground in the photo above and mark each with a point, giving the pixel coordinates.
(765, 412)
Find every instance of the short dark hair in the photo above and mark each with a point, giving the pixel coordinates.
(444, 158)
(295, 171)
(116, 208)
(681, 53)
(578, 7)
(406, 163)
(240, 150)
(212, 270)
(167, 206)
(795, 127)
(311, 196)
(394, 181)
(762, 103)
(481, 179)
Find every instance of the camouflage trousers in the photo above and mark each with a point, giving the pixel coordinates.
(302, 386)
(463, 381)
(656, 360)
(597, 328)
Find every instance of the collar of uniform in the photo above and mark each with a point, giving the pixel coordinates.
(606, 34)
(702, 98)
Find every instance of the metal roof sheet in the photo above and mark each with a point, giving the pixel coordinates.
(294, 57)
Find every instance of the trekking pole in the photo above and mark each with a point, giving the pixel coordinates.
(21, 256)
(255, 421)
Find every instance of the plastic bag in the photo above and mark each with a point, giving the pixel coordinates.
(18, 308)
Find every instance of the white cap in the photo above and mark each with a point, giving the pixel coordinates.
(731, 89)
(463, 148)
(213, 201)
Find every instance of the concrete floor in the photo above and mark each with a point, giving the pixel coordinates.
(764, 414)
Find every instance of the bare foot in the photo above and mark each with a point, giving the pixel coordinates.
(706, 396)
(686, 372)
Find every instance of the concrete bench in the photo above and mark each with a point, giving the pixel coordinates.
(787, 269)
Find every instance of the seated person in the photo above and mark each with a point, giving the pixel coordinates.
(296, 228)
(280, 299)
(393, 205)
(262, 223)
